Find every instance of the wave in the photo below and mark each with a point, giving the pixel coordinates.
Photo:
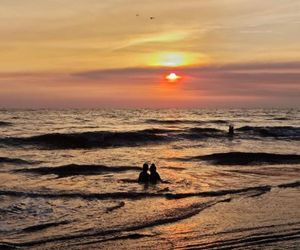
(158, 131)
(130, 236)
(171, 122)
(119, 205)
(15, 161)
(85, 140)
(290, 185)
(246, 158)
(199, 133)
(260, 189)
(255, 240)
(206, 130)
(5, 124)
(276, 131)
(280, 119)
(108, 139)
(74, 169)
(144, 195)
(42, 226)
(139, 195)
(170, 216)
(177, 121)
(217, 121)
(87, 196)
(8, 246)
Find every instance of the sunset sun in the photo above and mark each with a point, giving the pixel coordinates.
(172, 77)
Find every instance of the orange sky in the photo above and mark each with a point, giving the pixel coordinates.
(234, 53)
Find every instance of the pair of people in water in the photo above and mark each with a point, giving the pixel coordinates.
(153, 177)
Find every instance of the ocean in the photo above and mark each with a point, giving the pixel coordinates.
(68, 178)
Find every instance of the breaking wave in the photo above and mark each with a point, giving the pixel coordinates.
(199, 133)
(177, 121)
(262, 237)
(74, 169)
(44, 226)
(170, 122)
(290, 185)
(276, 131)
(143, 195)
(14, 161)
(246, 158)
(280, 119)
(169, 216)
(4, 124)
(101, 139)
(108, 139)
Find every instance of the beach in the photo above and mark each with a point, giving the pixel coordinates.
(69, 179)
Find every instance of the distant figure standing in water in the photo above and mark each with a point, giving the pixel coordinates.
(231, 130)
(154, 176)
(144, 176)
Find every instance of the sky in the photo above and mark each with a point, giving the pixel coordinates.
(118, 53)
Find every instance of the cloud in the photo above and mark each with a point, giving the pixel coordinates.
(165, 37)
(250, 79)
(245, 84)
(266, 72)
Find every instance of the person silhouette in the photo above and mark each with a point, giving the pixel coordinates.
(154, 176)
(231, 130)
(144, 176)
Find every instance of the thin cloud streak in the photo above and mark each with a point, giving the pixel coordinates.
(247, 84)
(285, 72)
(166, 37)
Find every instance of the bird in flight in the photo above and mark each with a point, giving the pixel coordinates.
(151, 17)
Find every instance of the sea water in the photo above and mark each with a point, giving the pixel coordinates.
(69, 178)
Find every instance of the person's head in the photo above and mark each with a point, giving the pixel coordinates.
(152, 168)
(145, 167)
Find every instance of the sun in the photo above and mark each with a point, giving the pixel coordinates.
(172, 77)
